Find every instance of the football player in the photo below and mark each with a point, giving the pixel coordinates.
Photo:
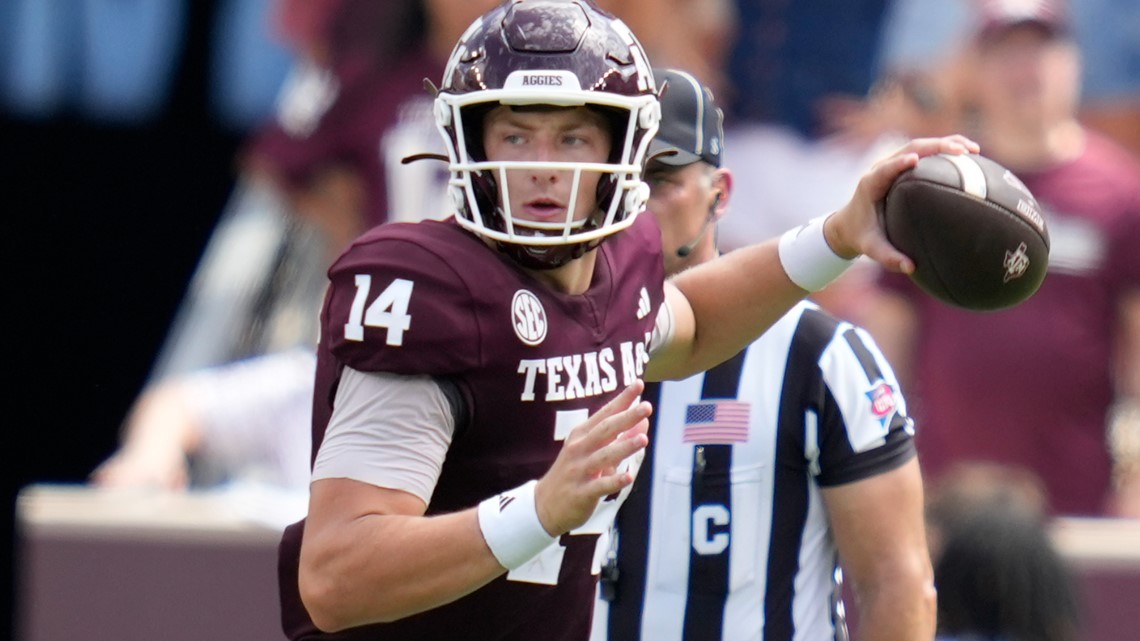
(476, 420)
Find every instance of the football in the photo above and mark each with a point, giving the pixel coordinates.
(974, 231)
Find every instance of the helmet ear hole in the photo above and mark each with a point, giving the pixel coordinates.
(442, 114)
(649, 116)
(636, 198)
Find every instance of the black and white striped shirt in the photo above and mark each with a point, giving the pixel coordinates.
(740, 546)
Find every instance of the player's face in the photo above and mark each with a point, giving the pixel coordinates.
(680, 198)
(548, 134)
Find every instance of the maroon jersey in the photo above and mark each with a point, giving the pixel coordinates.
(530, 363)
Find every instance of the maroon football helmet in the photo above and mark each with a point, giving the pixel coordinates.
(563, 53)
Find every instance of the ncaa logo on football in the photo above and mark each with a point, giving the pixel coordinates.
(528, 317)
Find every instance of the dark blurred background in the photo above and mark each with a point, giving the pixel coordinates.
(111, 210)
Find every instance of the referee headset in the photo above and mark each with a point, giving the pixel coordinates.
(687, 248)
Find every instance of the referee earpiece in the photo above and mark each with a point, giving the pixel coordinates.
(687, 248)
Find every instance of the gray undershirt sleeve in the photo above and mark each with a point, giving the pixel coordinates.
(387, 430)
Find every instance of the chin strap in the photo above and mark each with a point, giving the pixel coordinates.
(546, 257)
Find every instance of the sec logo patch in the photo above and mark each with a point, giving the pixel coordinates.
(528, 317)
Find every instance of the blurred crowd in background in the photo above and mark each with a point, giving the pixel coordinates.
(312, 104)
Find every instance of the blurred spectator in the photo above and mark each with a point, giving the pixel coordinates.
(998, 575)
(242, 422)
(918, 71)
(237, 367)
(1033, 385)
(969, 486)
(917, 32)
(309, 181)
(1000, 579)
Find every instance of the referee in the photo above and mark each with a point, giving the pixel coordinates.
(767, 474)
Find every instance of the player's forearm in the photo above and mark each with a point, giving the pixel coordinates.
(384, 567)
(734, 299)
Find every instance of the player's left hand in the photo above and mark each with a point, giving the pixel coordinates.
(855, 229)
(588, 468)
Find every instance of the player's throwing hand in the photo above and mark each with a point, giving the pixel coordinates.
(854, 229)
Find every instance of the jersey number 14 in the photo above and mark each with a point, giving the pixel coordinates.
(389, 310)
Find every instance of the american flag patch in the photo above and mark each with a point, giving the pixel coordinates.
(721, 421)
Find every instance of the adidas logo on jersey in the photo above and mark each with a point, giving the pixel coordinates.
(643, 304)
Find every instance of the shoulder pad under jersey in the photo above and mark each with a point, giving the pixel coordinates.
(396, 302)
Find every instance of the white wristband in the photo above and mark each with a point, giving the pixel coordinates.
(807, 258)
(510, 526)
